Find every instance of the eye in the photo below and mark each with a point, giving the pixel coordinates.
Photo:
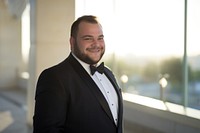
(88, 38)
(100, 38)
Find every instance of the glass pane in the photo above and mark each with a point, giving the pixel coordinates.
(194, 53)
(147, 46)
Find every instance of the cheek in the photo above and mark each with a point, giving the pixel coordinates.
(82, 46)
(103, 45)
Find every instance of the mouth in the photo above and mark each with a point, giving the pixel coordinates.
(94, 50)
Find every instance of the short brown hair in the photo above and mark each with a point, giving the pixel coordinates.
(85, 18)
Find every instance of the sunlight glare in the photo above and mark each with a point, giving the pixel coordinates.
(26, 34)
(146, 101)
(143, 28)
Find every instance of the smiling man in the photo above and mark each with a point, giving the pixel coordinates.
(78, 95)
(87, 43)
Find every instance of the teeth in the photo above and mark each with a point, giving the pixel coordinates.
(94, 50)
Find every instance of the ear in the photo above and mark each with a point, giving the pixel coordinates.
(72, 41)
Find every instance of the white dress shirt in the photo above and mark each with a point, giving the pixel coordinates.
(105, 87)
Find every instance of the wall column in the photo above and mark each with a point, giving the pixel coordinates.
(50, 22)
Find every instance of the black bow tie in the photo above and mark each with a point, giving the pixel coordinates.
(100, 68)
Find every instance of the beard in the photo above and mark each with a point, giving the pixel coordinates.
(83, 57)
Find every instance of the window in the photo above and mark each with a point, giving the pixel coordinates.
(193, 49)
(145, 46)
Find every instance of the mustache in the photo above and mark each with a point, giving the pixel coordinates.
(94, 48)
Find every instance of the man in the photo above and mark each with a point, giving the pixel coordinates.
(71, 97)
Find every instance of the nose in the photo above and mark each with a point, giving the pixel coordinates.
(95, 42)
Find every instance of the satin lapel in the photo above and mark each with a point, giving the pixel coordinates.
(91, 85)
(114, 83)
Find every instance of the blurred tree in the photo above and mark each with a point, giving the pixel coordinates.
(173, 67)
(151, 71)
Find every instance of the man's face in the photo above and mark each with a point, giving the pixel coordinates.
(89, 45)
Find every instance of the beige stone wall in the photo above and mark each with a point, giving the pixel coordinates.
(53, 19)
(50, 22)
(10, 47)
(50, 28)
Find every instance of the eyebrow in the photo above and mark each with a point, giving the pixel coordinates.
(101, 35)
(91, 36)
(86, 36)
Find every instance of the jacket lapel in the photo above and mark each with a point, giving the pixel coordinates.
(111, 77)
(91, 85)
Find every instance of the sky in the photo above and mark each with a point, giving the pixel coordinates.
(146, 27)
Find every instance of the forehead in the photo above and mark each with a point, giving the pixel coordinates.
(89, 28)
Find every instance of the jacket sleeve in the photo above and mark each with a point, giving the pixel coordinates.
(50, 104)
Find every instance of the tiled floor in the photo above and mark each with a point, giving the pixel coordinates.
(13, 112)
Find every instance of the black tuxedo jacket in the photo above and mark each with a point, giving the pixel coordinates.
(69, 101)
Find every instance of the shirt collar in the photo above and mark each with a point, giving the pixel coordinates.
(85, 65)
